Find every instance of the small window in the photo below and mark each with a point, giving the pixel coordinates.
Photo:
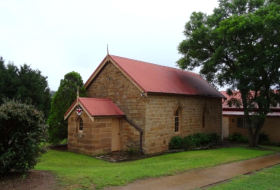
(81, 125)
(240, 122)
(177, 121)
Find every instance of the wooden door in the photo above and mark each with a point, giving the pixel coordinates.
(115, 143)
(225, 126)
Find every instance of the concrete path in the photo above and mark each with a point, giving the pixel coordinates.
(204, 177)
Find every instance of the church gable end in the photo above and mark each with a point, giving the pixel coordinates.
(111, 83)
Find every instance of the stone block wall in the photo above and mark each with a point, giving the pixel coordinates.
(271, 127)
(160, 118)
(113, 84)
(95, 138)
(155, 113)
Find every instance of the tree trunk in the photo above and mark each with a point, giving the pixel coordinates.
(253, 140)
(254, 135)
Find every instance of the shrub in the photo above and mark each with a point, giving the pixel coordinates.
(22, 131)
(263, 138)
(214, 137)
(237, 137)
(201, 138)
(234, 137)
(175, 142)
(243, 139)
(189, 143)
(193, 141)
(133, 150)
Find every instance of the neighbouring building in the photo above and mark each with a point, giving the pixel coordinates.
(233, 120)
(138, 104)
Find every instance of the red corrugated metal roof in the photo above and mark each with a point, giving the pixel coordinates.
(237, 95)
(160, 79)
(100, 107)
(97, 107)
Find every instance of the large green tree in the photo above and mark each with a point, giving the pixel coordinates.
(62, 100)
(24, 84)
(238, 46)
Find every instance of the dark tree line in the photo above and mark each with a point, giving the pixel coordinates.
(24, 84)
(24, 106)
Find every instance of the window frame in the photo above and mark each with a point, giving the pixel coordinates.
(80, 125)
(203, 118)
(177, 121)
(243, 125)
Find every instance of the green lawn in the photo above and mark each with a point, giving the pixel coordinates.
(82, 171)
(262, 180)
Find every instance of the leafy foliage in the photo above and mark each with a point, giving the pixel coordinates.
(24, 84)
(238, 46)
(62, 100)
(175, 142)
(189, 143)
(214, 137)
(22, 131)
(193, 141)
(264, 138)
(237, 137)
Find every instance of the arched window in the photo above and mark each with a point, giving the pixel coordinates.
(204, 114)
(80, 125)
(177, 120)
(203, 119)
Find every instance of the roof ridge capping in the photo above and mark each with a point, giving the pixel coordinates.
(177, 69)
(97, 99)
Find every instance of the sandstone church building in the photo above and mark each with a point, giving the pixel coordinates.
(138, 104)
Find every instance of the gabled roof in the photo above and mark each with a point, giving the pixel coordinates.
(96, 107)
(152, 78)
(237, 95)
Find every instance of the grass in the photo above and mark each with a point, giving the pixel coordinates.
(276, 148)
(82, 171)
(264, 179)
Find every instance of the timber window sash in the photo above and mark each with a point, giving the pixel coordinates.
(80, 125)
(241, 123)
(177, 121)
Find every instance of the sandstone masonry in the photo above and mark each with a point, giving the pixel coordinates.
(154, 114)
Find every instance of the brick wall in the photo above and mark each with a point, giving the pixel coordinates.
(271, 127)
(160, 118)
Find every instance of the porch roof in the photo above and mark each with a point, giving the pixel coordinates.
(96, 107)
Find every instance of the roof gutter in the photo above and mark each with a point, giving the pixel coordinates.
(138, 129)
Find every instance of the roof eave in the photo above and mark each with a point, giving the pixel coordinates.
(184, 94)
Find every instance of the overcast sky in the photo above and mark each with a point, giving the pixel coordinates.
(60, 36)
